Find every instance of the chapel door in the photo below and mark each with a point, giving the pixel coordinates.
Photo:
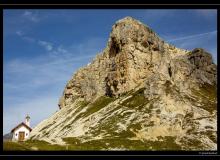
(21, 136)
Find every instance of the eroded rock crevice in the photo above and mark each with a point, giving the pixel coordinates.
(114, 48)
(170, 71)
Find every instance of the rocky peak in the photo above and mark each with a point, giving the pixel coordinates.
(129, 31)
(133, 50)
(133, 54)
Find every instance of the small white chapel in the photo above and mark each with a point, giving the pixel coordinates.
(22, 131)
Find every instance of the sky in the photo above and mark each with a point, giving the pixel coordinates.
(43, 48)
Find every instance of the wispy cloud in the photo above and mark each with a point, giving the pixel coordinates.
(29, 39)
(192, 36)
(19, 33)
(31, 16)
(17, 111)
(90, 46)
(24, 37)
(207, 40)
(47, 45)
(38, 83)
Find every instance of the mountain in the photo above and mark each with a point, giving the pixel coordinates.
(140, 93)
(7, 137)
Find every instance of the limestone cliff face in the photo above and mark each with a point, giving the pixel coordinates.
(139, 89)
(133, 53)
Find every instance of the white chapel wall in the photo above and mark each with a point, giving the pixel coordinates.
(21, 129)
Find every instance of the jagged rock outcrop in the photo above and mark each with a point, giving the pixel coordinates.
(139, 89)
(133, 53)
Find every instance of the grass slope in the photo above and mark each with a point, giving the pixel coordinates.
(167, 143)
(206, 95)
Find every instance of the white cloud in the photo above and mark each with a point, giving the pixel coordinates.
(16, 66)
(26, 38)
(38, 109)
(31, 16)
(35, 88)
(19, 33)
(207, 40)
(27, 13)
(37, 85)
(33, 85)
(29, 39)
(61, 50)
(47, 45)
(192, 36)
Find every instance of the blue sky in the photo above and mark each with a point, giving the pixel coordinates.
(43, 48)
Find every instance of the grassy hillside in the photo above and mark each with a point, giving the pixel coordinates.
(30, 145)
(168, 143)
(128, 109)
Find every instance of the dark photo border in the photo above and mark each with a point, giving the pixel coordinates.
(210, 154)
